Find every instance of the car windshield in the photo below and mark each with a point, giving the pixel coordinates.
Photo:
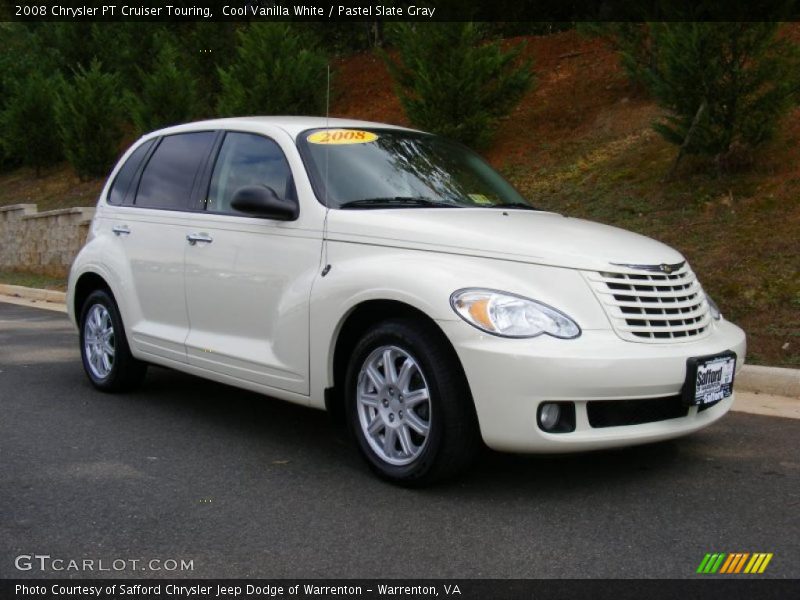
(386, 168)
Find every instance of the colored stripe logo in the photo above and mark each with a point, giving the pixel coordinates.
(734, 563)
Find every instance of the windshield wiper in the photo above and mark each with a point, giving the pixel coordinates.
(520, 205)
(396, 202)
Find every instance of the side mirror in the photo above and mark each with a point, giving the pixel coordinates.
(262, 201)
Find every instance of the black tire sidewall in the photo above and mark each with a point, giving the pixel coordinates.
(120, 347)
(412, 341)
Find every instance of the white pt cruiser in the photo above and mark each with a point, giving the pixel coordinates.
(392, 277)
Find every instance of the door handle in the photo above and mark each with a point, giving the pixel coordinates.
(204, 238)
(120, 230)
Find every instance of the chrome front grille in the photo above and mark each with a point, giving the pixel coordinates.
(651, 305)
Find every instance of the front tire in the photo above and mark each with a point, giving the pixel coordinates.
(408, 404)
(106, 356)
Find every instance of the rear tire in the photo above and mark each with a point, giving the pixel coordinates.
(106, 356)
(414, 423)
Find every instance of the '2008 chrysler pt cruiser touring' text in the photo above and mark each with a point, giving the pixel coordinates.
(394, 278)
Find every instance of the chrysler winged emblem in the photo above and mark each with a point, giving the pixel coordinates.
(663, 267)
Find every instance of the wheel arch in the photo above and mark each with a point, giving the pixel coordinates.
(87, 283)
(353, 325)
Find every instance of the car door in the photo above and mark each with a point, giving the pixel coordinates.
(248, 280)
(150, 228)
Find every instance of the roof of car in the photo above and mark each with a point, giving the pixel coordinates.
(292, 125)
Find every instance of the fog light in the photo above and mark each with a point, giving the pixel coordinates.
(549, 415)
(556, 417)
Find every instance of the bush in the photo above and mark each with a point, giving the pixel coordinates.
(277, 70)
(166, 94)
(28, 123)
(89, 114)
(452, 82)
(725, 85)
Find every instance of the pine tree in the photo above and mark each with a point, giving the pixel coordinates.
(203, 48)
(28, 124)
(725, 85)
(19, 58)
(452, 81)
(277, 70)
(90, 114)
(631, 40)
(167, 93)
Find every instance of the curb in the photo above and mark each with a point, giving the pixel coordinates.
(776, 381)
(36, 294)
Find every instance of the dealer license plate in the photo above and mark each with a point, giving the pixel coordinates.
(709, 379)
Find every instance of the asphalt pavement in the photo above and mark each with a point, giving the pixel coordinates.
(243, 485)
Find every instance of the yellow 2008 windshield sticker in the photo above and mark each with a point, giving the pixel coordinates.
(480, 199)
(342, 136)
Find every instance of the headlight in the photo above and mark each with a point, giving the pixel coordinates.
(509, 315)
(714, 308)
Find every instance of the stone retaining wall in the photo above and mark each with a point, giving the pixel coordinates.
(41, 242)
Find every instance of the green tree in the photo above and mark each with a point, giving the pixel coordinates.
(277, 70)
(346, 37)
(452, 81)
(90, 114)
(18, 59)
(633, 43)
(725, 85)
(28, 124)
(204, 48)
(166, 94)
(122, 47)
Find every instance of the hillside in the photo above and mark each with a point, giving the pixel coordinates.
(581, 143)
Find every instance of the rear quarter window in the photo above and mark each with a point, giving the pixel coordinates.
(125, 176)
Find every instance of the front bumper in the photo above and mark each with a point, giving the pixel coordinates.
(510, 378)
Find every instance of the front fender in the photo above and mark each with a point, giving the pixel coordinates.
(425, 281)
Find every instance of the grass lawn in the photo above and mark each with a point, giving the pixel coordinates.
(33, 280)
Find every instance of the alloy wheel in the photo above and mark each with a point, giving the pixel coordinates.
(99, 341)
(394, 407)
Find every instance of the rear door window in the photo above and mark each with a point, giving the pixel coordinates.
(168, 178)
(125, 176)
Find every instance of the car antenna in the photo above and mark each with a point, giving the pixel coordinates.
(327, 267)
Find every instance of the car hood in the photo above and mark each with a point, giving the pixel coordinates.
(520, 235)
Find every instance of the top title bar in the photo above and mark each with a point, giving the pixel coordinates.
(394, 10)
